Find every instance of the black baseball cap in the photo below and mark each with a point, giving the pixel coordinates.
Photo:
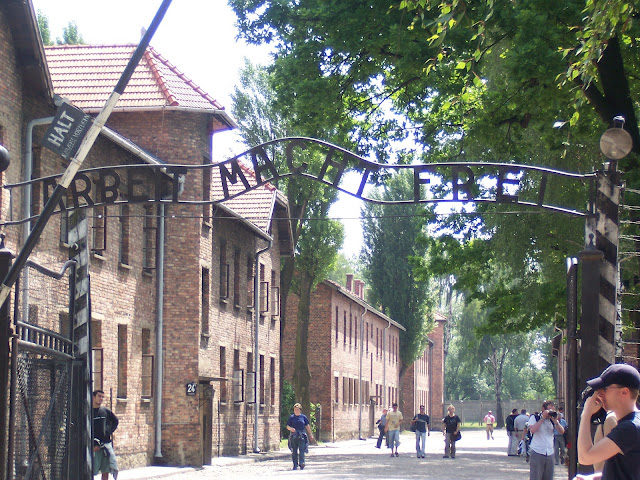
(618, 374)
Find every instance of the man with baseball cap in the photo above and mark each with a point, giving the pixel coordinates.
(615, 389)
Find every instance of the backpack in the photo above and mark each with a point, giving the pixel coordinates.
(537, 417)
(510, 427)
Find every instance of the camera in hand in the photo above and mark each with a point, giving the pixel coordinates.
(553, 414)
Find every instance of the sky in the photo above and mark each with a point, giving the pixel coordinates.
(199, 38)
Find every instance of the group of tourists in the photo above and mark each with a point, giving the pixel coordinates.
(520, 435)
(610, 401)
(389, 428)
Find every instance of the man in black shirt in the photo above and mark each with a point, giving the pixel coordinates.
(512, 449)
(450, 428)
(421, 423)
(104, 424)
(615, 389)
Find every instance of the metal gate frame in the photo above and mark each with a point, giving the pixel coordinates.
(54, 347)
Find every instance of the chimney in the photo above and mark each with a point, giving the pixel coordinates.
(362, 284)
(356, 287)
(349, 281)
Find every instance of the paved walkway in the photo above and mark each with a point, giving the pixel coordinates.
(476, 459)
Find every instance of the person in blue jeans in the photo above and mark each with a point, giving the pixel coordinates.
(300, 436)
(421, 422)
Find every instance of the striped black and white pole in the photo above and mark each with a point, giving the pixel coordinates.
(76, 162)
(606, 234)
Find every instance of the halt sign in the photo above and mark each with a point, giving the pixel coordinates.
(67, 130)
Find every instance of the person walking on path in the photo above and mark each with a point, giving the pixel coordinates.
(300, 436)
(450, 428)
(104, 424)
(615, 389)
(541, 455)
(421, 422)
(489, 420)
(512, 449)
(381, 424)
(393, 427)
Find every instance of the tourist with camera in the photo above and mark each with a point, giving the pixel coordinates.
(541, 461)
(616, 390)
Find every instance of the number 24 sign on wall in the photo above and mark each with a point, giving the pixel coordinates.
(192, 388)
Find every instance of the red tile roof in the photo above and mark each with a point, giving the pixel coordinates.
(87, 74)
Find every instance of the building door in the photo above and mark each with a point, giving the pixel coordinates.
(206, 420)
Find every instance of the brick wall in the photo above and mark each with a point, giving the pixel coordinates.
(437, 368)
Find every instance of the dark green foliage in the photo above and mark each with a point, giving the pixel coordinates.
(287, 400)
(43, 26)
(70, 35)
(316, 238)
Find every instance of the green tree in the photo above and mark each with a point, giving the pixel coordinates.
(341, 267)
(316, 251)
(70, 35)
(316, 238)
(43, 26)
(390, 244)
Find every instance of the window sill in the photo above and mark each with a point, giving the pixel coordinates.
(251, 309)
(97, 256)
(224, 300)
(145, 400)
(122, 400)
(147, 273)
(124, 266)
(205, 335)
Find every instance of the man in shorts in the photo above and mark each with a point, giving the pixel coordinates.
(393, 427)
(104, 424)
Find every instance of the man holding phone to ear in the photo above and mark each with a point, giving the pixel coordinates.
(616, 389)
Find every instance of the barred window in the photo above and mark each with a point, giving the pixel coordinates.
(149, 240)
(124, 235)
(146, 375)
(99, 230)
(122, 361)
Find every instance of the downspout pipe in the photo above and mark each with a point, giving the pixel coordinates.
(430, 399)
(384, 366)
(26, 202)
(256, 344)
(160, 236)
(159, 353)
(360, 374)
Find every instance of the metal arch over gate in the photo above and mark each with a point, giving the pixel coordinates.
(506, 183)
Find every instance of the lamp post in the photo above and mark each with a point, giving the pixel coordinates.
(616, 142)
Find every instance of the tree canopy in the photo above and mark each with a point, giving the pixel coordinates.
(516, 82)
(317, 239)
(391, 234)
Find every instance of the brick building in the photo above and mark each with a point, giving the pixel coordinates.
(349, 341)
(423, 381)
(195, 281)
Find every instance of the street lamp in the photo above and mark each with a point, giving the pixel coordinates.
(616, 143)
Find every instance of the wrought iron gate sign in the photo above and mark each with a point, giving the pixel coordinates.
(278, 159)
